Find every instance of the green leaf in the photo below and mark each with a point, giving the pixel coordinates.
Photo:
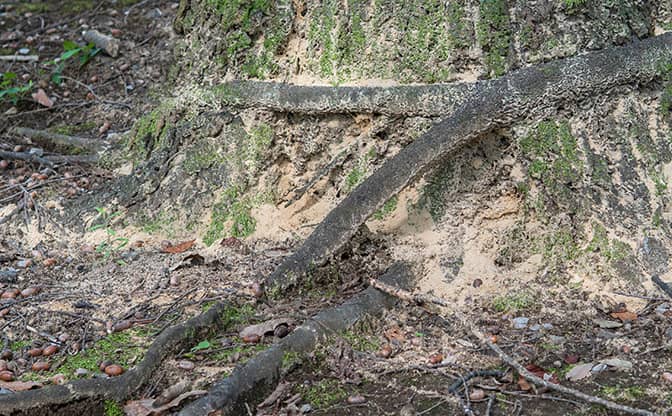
(69, 54)
(69, 45)
(96, 227)
(203, 345)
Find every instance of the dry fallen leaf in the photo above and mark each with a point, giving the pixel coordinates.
(523, 384)
(624, 316)
(264, 327)
(41, 97)
(144, 407)
(19, 385)
(579, 372)
(179, 248)
(395, 334)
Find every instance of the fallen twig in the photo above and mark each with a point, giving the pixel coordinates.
(19, 58)
(25, 156)
(662, 285)
(108, 44)
(556, 387)
(402, 294)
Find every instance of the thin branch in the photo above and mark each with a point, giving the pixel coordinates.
(556, 387)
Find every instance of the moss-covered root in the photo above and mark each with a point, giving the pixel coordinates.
(252, 381)
(529, 92)
(408, 100)
(90, 396)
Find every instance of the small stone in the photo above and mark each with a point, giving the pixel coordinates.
(477, 283)
(520, 322)
(667, 376)
(598, 368)
(477, 394)
(535, 327)
(81, 372)
(306, 408)
(356, 399)
(662, 308)
(24, 51)
(22, 264)
(185, 365)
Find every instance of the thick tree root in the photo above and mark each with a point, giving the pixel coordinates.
(529, 92)
(408, 100)
(87, 396)
(47, 137)
(251, 382)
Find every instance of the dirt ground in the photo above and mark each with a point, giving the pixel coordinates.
(102, 293)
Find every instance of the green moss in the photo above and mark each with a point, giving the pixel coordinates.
(235, 208)
(659, 182)
(242, 22)
(113, 408)
(513, 302)
(388, 208)
(560, 247)
(71, 129)
(493, 33)
(121, 348)
(237, 315)
(201, 156)
(291, 359)
(554, 160)
(572, 6)
(612, 250)
(149, 132)
(19, 345)
(161, 222)
(77, 6)
(360, 342)
(620, 393)
(433, 196)
(27, 7)
(323, 393)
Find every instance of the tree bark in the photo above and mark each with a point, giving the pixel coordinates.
(528, 92)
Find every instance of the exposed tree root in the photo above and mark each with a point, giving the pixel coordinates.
(252, 381)
(87, 396)
(248, 384)
(407, 100)
(55, 138)
(529, 92)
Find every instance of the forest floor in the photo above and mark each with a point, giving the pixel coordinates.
(101, 299)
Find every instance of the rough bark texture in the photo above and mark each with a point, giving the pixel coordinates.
(529, 92)
(408, 100)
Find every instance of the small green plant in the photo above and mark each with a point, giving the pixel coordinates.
(513, 302)
(11, 90)
(203, 345)
(630, 394)
(324, 393)
(112, 244)
(113, 408)
(360, 342)
(72, 50)
(572, 5)
(387, 209)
